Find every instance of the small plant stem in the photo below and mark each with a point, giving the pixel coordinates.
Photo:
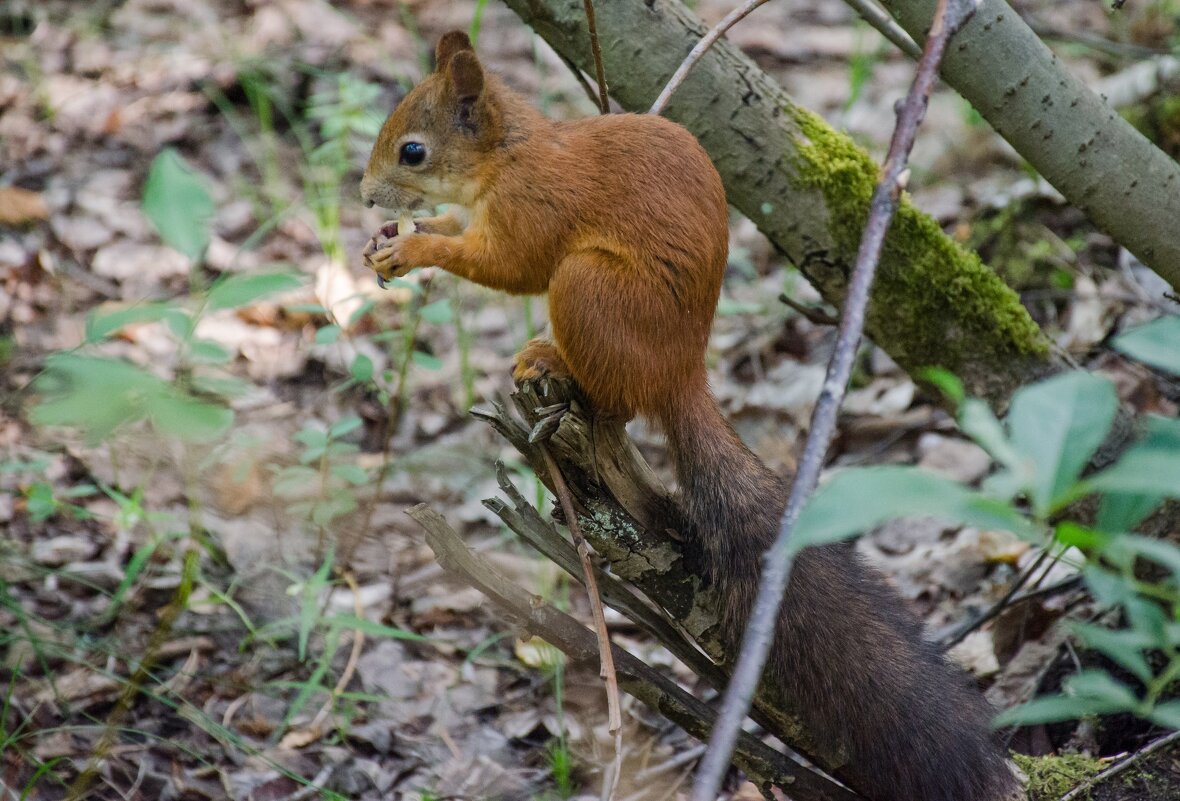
(596, 50)
(607, 662)
(759, 634)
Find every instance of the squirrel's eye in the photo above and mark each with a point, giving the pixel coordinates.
(412, 154)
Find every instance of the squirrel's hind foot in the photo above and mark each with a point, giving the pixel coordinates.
(539, 359)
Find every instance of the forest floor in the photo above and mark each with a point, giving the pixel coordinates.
(319, 649)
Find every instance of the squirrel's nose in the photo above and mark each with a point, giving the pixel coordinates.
(368, 202)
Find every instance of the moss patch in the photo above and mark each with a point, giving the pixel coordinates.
(934, 300)
(1051, 777)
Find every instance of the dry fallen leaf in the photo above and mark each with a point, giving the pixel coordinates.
(21, 206)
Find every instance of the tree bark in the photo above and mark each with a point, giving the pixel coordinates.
(807, 187)
(1124, 183)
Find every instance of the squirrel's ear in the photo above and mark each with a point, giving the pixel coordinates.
(450, 44)
(466, 77)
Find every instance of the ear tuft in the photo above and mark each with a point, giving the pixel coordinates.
(466, 76)
(451, 43)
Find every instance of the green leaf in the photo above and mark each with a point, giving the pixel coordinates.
(860, 499)
(293, 481)
(1122, 511)
(438, 312)
(236, 291)
(343, 426)
(177, 202)
(1166, 714)
(1056, 425)
(206, 351)
(946, 382)
(1124, 646)
(100, 324)
(39, 502)
(99, 395)
(1078, 536)
(179, 322)
(1046, 709)
(1141, 472)
(311, 438)
(187, 417)
(1161, 552)
(1157, 343)
(1145, 474)
(327, 335)
(426, 360)
(225, 386)
(978, 422)
(1108, 588)
(306, 308)
(361, 368)
(352, 473)
(1100, 689)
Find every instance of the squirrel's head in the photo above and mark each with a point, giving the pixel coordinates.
(430, 148)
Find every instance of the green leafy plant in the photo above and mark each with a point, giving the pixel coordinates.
(98, 394)
(321, 486)
(1041, 450)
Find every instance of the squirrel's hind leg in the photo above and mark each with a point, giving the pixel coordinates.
(617, 327)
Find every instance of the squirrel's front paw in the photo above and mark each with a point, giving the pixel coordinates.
(539, 358)
(387, 257)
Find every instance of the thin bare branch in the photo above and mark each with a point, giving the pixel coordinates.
(879, 18)
(1083, 790)
(815, 315)
(596, 49)
(730, 19)
(949, 16)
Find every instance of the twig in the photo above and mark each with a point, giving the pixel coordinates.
(759, 634)
(817, 316)
(879, 18)
(596, 49)
(762, 764)
(585, 84)
(606, 667)
(960, 634)
(730, 19)
(1083, 790)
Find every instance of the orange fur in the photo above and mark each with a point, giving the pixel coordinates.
(622, 220)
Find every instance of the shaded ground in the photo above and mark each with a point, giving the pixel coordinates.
(280, 676)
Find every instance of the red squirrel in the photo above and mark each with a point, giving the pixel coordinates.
(622, 221)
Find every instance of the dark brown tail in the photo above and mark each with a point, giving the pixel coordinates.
(850, 655)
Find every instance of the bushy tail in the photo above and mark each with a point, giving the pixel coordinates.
(849, 655)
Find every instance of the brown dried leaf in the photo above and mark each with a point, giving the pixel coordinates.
(21, 206)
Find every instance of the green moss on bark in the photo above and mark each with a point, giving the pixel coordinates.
(933, 300)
